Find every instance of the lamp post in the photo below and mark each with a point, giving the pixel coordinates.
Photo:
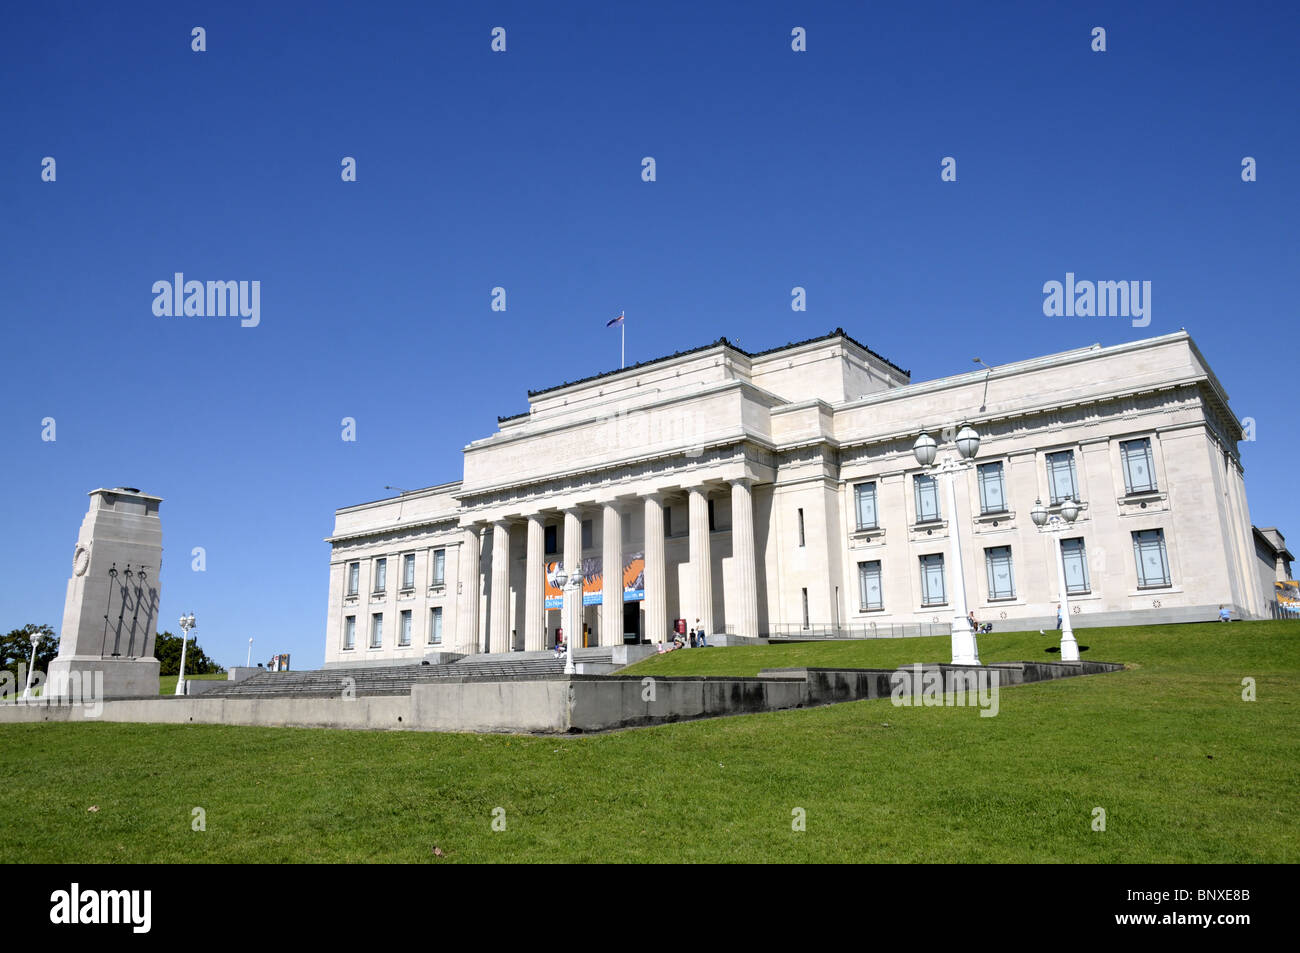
(965, 650)
(27, 691)
(571, 584)
(1054, 524)
(186, 623)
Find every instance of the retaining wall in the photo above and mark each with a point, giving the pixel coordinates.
(546, 704)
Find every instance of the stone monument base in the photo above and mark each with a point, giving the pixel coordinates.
(85, 678)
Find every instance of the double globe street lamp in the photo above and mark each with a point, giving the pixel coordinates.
(186, 623)
(570, 584)
(965, 651)
(27, 690)
(1054, 524)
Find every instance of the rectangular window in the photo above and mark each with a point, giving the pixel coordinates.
(1139, 471)
(381, 574)
(439, 567)
(408, 571)
(869, 586)
(801, 536)
(805, 606)
(350, 632)
(435, 626)
(1152, 561)
(376, 630)
(1076, 566)
(668, 521)
(550, 536)
(354, 578)
(932, 587)
(865, 501)
(404, 629)
(1061, 477)
(1002, 582)
(927, 498)
(586, 534)
(993, 490)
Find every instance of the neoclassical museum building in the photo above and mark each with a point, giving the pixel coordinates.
(772, 493)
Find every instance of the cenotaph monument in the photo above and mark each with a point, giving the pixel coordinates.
(111, 610)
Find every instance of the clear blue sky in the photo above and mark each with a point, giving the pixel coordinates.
(522, 170)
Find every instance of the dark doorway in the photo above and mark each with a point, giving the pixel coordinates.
(632, 622)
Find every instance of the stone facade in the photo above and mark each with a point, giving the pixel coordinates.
(106, 643)
(767, 492)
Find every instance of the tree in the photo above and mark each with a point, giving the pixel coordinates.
(167, 650)
(16, 647)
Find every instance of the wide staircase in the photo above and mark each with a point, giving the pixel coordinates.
(398, 679)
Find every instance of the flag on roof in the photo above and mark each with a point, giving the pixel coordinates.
(618, 320)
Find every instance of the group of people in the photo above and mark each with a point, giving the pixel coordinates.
(695, 639)
(975, 626)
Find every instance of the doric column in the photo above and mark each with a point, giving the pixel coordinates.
(745, 615)
(467, 641)
(656, 575)
(500, 618)
(534, 590)
(611, 604)
(572, 564)
(701, 560)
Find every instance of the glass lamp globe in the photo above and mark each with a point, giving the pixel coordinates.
(1039, 513)
(1070, 510)
(925, 449)
(968, 442)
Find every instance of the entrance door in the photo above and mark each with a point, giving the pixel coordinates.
(632, 622)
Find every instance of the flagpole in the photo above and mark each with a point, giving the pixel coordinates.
(622, 347)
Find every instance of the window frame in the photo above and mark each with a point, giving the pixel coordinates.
(1158, 534)
(995, 595)
(349, 629)
(1082, 555)
(980, 471)
(864, 587)
(926, 602)
(932, 482)
(381, 575)
(376, 629)
(1125, 456)
(1052, 468)
(859, 491)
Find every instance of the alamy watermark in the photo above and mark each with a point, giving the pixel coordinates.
(932, 687)
(1102, 299)
(211, 299)
(84, 689)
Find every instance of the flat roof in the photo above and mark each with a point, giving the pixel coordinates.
(837, 333)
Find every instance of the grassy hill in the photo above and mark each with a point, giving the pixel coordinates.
(1184, 768)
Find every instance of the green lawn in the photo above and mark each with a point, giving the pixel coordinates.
(167, 683)
(1185, 769)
